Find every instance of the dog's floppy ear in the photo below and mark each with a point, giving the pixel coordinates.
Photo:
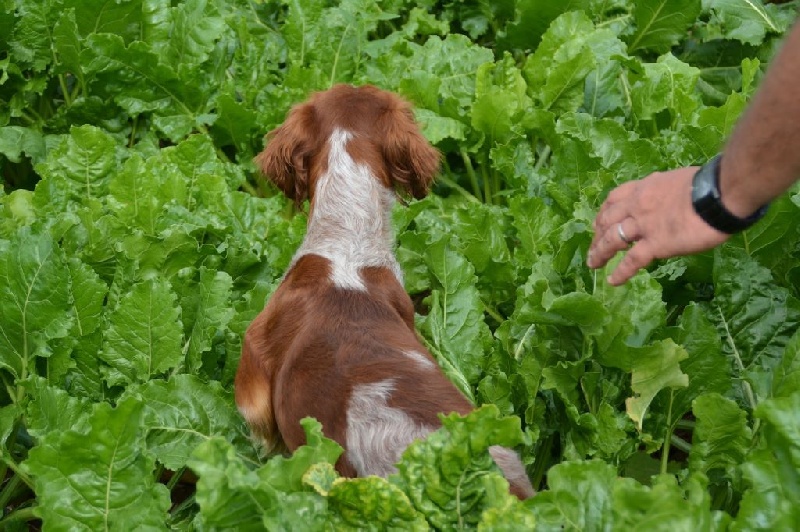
(287, 156)
(412, 161)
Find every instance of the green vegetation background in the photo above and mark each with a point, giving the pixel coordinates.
(137, 243)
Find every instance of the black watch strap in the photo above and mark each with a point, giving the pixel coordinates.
(707, 201)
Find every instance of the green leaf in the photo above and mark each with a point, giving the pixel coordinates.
(450, 477)
(660, 24)
(209, 314)
(144, 334)
(88, 293)
(68, 45)
(228, 492)
(196, 26)
(721, 437)
(667, 84)
(34, 288)
(32, 38)
(446, 67)
(118, 18)
(140, 83)
(98, 479)
(579, 496)
(706, 366)
(513, 516)
(81, 164)
(755, 318)
(455, 324)
(773, 470)
(52, 411)
(786, 378)
(637, 310)
(556, 72)
(17, 140)
(372, 503)
(665, 505)
(500, 99)
(532, 18)
(184, 412)
(656, 367)
(275, 495)
(748, 21)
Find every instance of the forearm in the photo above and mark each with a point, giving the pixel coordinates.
(762, 157)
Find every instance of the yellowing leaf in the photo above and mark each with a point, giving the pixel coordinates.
(654, 369)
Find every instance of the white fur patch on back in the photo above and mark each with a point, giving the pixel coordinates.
(422, 361)
(350, 221)
(377, 434)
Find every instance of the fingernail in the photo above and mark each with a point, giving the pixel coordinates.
(589, 261)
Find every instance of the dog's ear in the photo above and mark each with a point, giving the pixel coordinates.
(287, 156)
(412, 162)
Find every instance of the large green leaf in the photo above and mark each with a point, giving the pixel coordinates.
(450, 476)
(721, 437)
(455, 325)
(660, 24)
(139, 82)
(144, 334)
(34, 288)
(208, 314)
(80, 166)
(275, 495)
(748, 21)
(100, 478)
(184, 412)
(754, 317)
(773, 471)
(656, 368)
(706, 366)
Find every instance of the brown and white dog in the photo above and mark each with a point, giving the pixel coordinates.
(337, 340)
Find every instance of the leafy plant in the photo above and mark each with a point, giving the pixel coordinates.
(137, 244)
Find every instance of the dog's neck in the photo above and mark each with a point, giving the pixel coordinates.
(350, 222)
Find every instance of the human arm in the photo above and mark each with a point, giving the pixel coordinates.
(759, 163)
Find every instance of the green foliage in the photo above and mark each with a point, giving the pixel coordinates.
(137, 244)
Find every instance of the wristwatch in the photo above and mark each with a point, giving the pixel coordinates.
(707, 201)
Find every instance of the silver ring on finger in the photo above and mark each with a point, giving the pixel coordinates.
(622, 236)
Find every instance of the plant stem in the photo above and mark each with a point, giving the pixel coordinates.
(188, 501)
(250, 189)
(15, 468)
(493, 312)
(680, 443)
(476, 187)
(667, 436)
(487, 186)
(20, 514)
(176, 477)
(67, 95)
(748, 390)
(458, 188)
(542, 159)
(9, 490)
(540, 462)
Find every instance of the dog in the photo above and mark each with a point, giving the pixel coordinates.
(336, 341)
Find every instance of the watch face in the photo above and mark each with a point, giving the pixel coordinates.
(704, 187)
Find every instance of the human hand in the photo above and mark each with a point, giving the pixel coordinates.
(656, 216)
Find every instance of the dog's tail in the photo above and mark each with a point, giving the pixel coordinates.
(510, 464)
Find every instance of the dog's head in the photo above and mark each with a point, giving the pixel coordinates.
(384, 136)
